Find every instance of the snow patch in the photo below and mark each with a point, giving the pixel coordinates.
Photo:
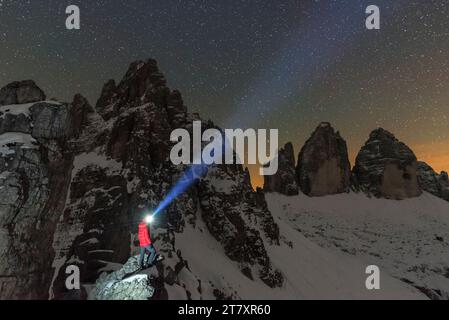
(95, 158)
(10, 139)
(17, 109)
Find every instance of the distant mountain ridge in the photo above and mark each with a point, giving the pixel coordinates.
(384, 168)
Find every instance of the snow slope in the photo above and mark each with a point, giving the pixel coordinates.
(10, 139)
(407, 239)
(310, 272)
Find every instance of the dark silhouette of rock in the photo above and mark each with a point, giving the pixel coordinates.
(143, 82)
(386, 167)
(323, 167)
(20, 92)
(284, 181)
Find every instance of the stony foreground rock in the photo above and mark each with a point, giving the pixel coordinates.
(284, 181)
(123, 284)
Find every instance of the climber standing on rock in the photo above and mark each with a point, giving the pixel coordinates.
(146, 246)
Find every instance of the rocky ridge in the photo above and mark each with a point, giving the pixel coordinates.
(284, 181)
(77, 182)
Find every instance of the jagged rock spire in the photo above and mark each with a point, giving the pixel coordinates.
(323, 166)
(386, 167)
(143, 82)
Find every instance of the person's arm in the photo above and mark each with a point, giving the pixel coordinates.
(148, 235)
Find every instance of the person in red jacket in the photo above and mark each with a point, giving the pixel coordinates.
(146, 246)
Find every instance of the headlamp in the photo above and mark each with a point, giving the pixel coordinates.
(149, 219)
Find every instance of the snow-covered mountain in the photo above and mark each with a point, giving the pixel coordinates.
(75, 179)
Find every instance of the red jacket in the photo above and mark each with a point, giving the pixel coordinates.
(144, 235)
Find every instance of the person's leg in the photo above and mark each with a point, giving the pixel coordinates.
(152, 255)
(142, 257)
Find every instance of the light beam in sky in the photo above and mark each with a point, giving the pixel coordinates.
(300, 61)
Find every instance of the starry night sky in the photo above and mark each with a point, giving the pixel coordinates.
(261, 64)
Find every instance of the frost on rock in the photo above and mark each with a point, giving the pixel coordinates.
(122, 285)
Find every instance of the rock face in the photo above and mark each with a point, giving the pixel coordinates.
(20, 92)
(386, 167)
(284, 181)
(239, 228)
(432, 182)
(323, 167)
(34, 176)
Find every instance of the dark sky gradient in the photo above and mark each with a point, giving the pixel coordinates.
(262, 64)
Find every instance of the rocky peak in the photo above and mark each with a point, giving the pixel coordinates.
(142, 83)
(432, 182)
(386, 167)
(288, 154)
(381, 134)
(284, 181)
(20, 92)
(323, 167)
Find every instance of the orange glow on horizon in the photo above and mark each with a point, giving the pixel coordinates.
(435, 154)
(256, 178)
